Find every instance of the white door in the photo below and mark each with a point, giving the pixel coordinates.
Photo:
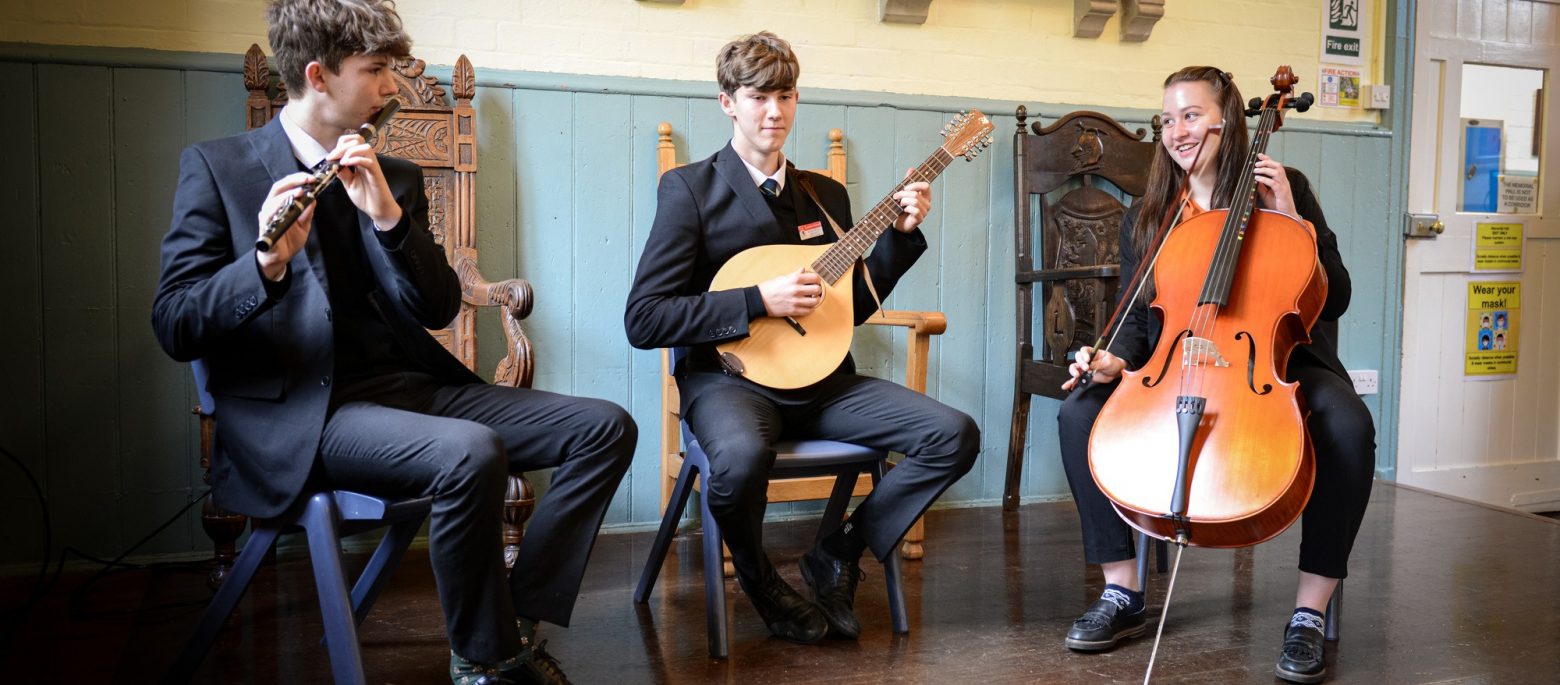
(1476, 420)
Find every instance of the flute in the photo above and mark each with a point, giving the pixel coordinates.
(324, 173)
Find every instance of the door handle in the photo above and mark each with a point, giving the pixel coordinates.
(1423, 225)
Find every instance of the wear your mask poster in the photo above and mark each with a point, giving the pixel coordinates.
(1494, 318)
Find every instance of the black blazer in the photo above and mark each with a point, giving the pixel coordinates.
(707, 212)
(1140, 330)
(269, 353)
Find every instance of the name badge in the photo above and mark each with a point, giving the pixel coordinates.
(810, 231)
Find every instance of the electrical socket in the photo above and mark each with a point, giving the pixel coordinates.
(1365, 381)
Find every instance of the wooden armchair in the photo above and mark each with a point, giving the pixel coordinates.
(919, 326)
(443, 140)
(1060, 170)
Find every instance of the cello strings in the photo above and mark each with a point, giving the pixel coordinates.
(1164, 611)
(1226, 253)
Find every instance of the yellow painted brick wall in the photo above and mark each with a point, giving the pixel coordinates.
(1020, 50)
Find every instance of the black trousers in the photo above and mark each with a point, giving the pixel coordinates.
(738, 423)
(1344, 440)
(407, 435)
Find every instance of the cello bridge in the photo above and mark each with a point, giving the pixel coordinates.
(1201, 352)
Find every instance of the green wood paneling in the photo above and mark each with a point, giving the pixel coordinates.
(153, 402)
(644, 490)
(603, 252)
(544, 156)
(81, 364)
(21, 347)
(964, 352)
(495, 219)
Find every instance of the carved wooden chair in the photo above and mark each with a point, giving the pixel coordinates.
(1062, 173)
(442, 139)
(919, 326)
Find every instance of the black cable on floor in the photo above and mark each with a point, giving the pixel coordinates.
(45, 582)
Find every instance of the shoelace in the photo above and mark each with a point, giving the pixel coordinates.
(850, 579)
(1092, 620)
(547, 663)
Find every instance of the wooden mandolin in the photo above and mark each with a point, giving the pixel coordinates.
(783, 353)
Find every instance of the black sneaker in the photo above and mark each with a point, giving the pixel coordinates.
(1303, 658)
(1103, 625)
(534, 666)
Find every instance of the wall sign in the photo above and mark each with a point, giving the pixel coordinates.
(1494, 314)
(1497, 246)
(1343, 32)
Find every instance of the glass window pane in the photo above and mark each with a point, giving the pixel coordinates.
(1500, 139)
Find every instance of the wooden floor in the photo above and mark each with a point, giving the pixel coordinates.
(1441, 591)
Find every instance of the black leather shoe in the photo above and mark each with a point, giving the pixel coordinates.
(1103, 625)
(1302, 660)
(833, 582)
(788, 615)
(534, 666)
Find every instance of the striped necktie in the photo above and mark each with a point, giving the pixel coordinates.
(770, 188)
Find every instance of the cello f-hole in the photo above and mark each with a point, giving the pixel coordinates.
(1251, 365)
(1149, 382)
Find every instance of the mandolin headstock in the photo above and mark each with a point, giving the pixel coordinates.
(967, 135)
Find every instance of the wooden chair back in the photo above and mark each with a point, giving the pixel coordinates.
(1073, 180)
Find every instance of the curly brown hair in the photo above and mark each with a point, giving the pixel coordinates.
(763, 61)
(329, 31)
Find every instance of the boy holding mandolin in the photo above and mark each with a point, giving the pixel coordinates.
(748, 196)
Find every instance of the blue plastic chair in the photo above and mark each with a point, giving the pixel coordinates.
(794, 459)
(325, 517)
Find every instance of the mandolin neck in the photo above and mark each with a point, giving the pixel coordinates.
(837, 260)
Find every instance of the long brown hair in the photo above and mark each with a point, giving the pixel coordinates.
(1165, 176)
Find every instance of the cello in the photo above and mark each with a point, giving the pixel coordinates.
(1206, 444)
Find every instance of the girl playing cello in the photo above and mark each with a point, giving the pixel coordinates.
(1204, 125)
